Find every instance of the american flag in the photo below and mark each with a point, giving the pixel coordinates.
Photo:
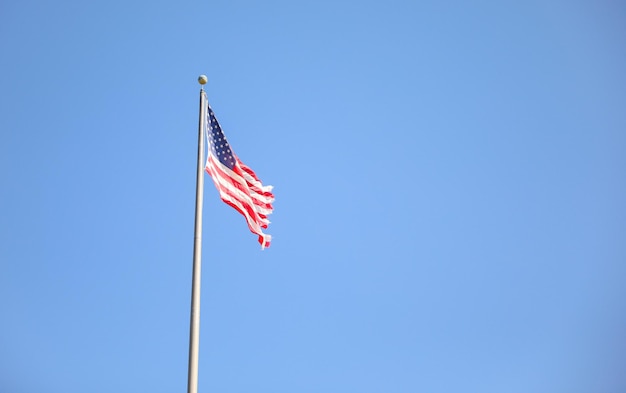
(237, 184)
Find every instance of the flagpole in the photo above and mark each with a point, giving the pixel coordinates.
(194, 325)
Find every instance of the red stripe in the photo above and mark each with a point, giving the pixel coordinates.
(263, 242)
(250, 172)
(254, 215)
(238, 169)
(224, 191)
(220, 173)
(238, 208)
(236, 183)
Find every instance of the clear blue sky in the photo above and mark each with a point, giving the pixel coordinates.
(450, 196)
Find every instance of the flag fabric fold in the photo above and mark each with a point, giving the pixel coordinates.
(237, 184)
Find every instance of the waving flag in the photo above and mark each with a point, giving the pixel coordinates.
(237, 184)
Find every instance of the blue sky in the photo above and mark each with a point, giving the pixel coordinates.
(449, 181)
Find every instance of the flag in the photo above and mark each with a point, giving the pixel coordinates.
(237, 184)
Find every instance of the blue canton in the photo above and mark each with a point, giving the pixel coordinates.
(217, 142)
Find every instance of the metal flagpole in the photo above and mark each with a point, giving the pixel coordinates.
(194, 326)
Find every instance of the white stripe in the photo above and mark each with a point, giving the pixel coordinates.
(241, 202)
(239, 194)
(247, 197)
(256, 182)
(266, 239)
(254, 226)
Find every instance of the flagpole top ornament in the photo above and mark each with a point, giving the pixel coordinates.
(202, 79)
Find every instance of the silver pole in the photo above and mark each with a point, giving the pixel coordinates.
(194, 326)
